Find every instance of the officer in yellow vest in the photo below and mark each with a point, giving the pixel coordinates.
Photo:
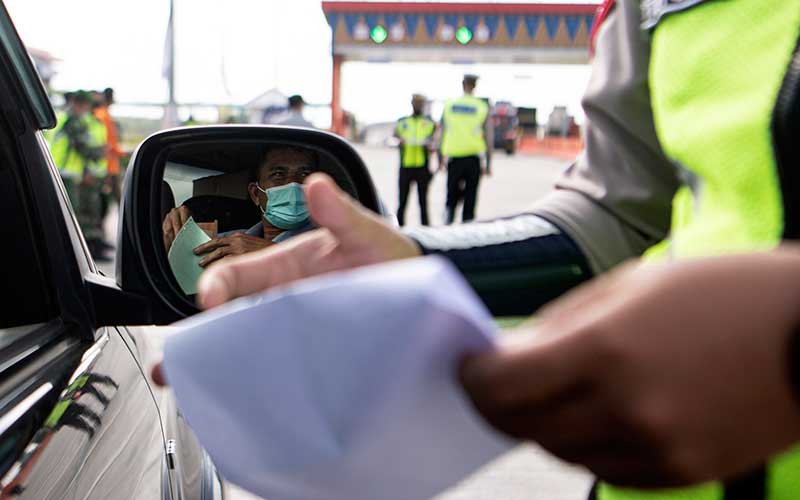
(465, 136)
(416, 135)
(78, 150)
(100, 192)
(682, 375)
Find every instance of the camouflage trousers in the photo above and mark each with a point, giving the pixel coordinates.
(86, 199)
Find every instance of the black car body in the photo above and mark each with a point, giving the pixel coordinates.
(78, 417)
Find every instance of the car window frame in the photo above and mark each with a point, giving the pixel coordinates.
(37, 105)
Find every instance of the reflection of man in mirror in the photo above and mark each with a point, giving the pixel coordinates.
(276, 187)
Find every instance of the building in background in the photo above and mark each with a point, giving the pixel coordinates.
(46, 64)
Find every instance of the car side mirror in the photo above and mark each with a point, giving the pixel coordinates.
(185, 187)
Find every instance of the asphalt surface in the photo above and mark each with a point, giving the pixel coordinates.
(527, 473)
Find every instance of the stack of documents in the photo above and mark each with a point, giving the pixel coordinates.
(339, 387)
(184, 263)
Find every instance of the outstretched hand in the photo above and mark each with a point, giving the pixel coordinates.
(656, 376)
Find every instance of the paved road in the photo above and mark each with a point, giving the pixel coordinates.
(517, 181)
(527, 473)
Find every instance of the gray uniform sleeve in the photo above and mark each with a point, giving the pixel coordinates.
(615, 201)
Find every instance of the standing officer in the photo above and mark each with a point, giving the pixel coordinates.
(114, 151)
(416, 139)
(98, 193)
(465, 136)
(75, 150)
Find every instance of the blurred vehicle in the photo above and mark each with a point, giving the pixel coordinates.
(507, 130)
(528, 120)
(78, 417)
(561, 124)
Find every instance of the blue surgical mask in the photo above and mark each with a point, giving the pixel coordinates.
(286, 206)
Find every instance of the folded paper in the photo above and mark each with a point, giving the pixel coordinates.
(340, 387)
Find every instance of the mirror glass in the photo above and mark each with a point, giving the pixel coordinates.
(224, 199)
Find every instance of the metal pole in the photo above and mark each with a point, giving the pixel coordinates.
(171, 110)
(337, 115)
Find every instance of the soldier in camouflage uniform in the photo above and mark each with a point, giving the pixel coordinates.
(77, 151)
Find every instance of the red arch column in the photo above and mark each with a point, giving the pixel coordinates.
(337, 115)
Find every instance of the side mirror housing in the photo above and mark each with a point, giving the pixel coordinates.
(143, 269)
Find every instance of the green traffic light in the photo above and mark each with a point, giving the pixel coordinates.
(463, 35)
(379, 34)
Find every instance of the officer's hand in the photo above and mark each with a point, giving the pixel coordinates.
(349, 236)
(173, 222)
(224, 246)
(656, 376)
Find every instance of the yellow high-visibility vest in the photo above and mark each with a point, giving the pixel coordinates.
(463, 121)
(416, 132)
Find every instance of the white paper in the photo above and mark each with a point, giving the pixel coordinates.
(339, 387)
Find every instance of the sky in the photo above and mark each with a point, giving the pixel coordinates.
(232, 51)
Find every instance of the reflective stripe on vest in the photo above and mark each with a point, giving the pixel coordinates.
(715, 72)
(416, 131)
(464, 120)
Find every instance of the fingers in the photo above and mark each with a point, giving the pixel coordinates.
(183, 214)
(332, 208)
(169, 235)
(214, 256)
(173, 223)
(210, 245)
(256, 271)
(528, 377)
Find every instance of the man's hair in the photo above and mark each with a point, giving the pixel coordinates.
(310, 154)
(470, 81)
(81, 97)
(296, 100)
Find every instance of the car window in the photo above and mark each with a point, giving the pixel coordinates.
(181, 179)
(26, 289)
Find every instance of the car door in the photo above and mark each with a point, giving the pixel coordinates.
(77, 417)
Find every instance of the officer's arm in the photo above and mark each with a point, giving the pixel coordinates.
(615, 201)
(611, 205)
(439, 139)
(396, 133)
(515, 264)
(79, 139)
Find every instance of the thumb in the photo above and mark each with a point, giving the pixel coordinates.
(333, 209)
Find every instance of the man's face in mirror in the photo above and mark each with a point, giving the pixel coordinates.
(281, 166)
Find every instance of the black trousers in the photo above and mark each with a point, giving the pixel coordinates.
(422, 177)
(463, 177)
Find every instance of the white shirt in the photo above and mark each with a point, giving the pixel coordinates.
(295, 119)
